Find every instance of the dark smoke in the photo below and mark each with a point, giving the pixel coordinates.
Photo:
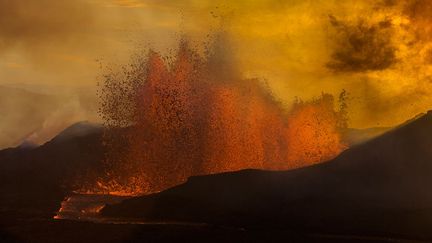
(362, 46)
(419, 14)
(418, 9)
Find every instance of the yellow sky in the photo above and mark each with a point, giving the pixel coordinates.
(301, 47)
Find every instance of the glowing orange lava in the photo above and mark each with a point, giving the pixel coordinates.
(193, 116)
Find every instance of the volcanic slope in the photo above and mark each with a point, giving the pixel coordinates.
(33, 180)
(380, 187)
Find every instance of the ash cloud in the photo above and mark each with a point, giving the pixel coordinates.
(418, 13)
(418, 9)
(362, 46)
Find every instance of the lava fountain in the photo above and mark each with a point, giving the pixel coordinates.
(169, 119)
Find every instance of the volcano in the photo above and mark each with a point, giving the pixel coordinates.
(378, 187)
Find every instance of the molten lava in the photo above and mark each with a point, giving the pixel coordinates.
(314, 127)
(193, 116)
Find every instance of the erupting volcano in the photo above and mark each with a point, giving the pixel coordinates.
(168, 119)
(215, 121)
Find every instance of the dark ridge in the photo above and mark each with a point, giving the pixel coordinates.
(379, 187)
(79, 129)
(34, 180)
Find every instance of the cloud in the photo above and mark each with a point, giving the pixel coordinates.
(362, 46)
(418, 9)
(29, 23)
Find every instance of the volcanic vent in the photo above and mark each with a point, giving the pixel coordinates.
(167, 119)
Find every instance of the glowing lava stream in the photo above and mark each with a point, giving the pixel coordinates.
(85, 207)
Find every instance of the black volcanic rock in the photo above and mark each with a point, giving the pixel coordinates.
(378, 187)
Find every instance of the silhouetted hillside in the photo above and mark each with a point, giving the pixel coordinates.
(378, 187)
(34, 180)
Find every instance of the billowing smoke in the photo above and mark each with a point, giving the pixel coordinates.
(362, 46)
(384, 51)
(33, 115)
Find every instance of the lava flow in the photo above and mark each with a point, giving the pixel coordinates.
(169, 120)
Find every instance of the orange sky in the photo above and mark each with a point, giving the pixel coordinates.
(379, 51)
